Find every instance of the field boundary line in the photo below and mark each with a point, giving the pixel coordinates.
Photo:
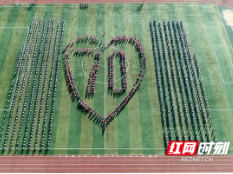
(222, 36)
(181, 4)
(188, 168)
(40, 6)
(221, 109)
(220, 67)
(218, 45)
(87, 148)
(101, 156)
(105, 131)
(156, 164)
(14, 27)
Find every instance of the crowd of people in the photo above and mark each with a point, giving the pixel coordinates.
(50, 84)
(195, 123)
(83, 6)
(27, 118)
(39, 61)
(52, 88)
(92, 39)
(22, 57)
(28, 54)
(44, 64)
(83, 106)
(111, 71)
(93, 75)
(70, 80)
(122, 56)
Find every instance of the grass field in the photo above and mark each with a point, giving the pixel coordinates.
(138, 128)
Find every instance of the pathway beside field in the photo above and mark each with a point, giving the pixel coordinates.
(112, 164)
(226, 3)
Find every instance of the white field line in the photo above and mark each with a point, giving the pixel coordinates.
(215, 51)
(93, 149)
(92, 5)
(221, 109)
(42, 6)
(18, 72)
(218, 45)
(14, 27)
(106, 156)
(88, 148)
(220, 67)
(155, 164)
(209, 26)
(105, 82)
(138, 168)
(215, 55)
(222, 36)
(228, 58)
(14, 89)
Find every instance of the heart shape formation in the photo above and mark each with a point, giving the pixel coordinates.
(82, 105)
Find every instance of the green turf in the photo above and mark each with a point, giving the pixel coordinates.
(138, 128)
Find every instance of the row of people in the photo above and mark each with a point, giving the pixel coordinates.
(111, 71)
(39, 62)
(84, 51)
(36, 34)
(50, 89)
(122, 56)
(193, 87)
(93, 74)
(55, 84)
(166, 110)
(24, 115)
(18, 87)
(183, 117)
(142, 60)
(90, 39)
(70, 79)
(28, 116)
(194, 125)
(44, 67)
(198, 82)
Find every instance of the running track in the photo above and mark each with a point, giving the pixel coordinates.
(112, 164)
(117, 163)
(226, 3)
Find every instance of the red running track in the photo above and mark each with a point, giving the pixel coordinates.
(116, 164)
(226, 3)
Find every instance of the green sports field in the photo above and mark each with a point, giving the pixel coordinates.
(138, 128)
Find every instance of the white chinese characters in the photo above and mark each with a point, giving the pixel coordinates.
(220, 148)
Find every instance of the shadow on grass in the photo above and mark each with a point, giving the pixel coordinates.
(30, 7)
